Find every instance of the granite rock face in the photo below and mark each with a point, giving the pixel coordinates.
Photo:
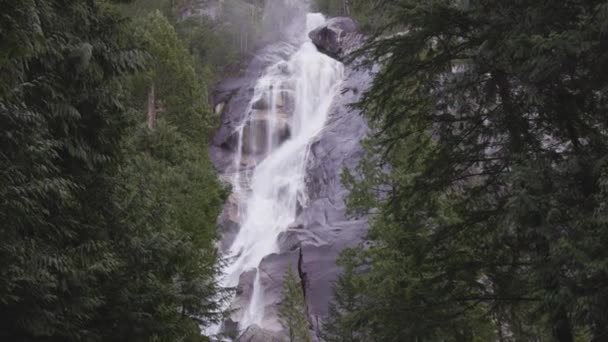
(325, 229)
(322, 229)
(232, 101)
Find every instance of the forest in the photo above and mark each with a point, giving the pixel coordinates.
(109, 200)
(484, 177)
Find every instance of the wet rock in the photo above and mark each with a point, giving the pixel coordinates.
(289, 241)
(229, 231)
(284, 68)
(296, 236)
(256, 334)
(329, 229)
(229, 222)
(245, 288)
(234, 100)
(244, 291)
(230, 329)
(284, 102)
(260, 127)
(231, 99)
(262, 104)
(337, 37)
(272, 270)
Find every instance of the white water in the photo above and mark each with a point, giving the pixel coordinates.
(272, 192)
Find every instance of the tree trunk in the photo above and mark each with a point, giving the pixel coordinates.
(151, 108)
(346, 5)
(562, 330)
(515, 124)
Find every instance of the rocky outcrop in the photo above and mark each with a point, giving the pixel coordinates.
(338, 37)
(232, 101)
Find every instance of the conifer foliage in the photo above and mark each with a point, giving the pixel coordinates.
(486, 173)
(292, 309)
(62, 121)
(107, 227)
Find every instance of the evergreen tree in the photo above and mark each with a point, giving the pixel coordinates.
(108, 224)
(292, 309)
(344, 319)
(218, 43)
(62, 120)
(173, 198)
(485, 173)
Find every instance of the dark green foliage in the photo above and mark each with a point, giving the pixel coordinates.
(62, 121)
(370, 14)
(107, 228)
(172, 192)
(180, 94)
(292, 309)
(218, 44)
(487, 173)
(345, 313)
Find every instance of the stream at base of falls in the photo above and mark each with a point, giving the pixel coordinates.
(289, 108)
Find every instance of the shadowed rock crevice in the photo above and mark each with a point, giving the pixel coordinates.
(302, 276)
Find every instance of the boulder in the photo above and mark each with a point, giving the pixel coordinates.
(337, 37)
(289, 240)
(244, 291)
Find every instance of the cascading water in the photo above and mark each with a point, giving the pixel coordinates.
(289, 108)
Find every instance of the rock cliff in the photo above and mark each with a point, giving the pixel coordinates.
(322, 229)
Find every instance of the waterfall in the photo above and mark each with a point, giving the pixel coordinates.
(289, 108)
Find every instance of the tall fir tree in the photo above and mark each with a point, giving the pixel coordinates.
(292, 309)
(62, 121)
(107, 227)
(485, 171)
